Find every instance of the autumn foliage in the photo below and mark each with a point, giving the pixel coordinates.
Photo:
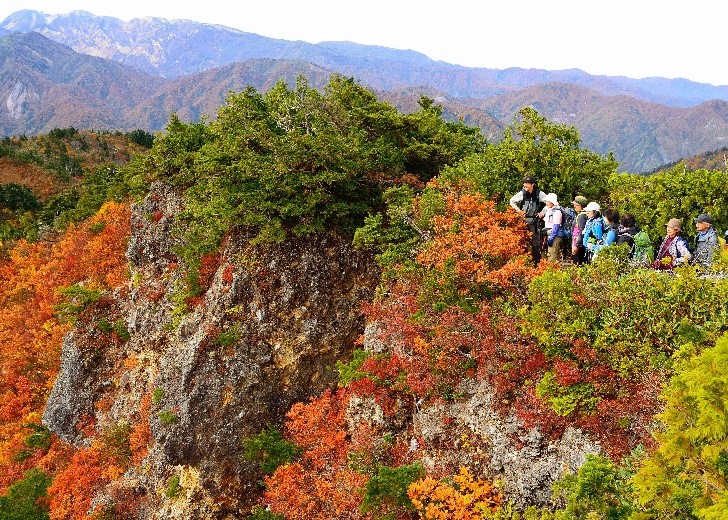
(319, 486)
(465, 497)
(479, 244)
(89, 253)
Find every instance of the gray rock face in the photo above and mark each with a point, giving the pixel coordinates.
(469, 432)
(272, 324)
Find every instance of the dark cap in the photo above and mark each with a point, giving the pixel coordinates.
(703, 217)
(530, 179)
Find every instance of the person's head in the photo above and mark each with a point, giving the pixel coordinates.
(674, 225)
(703, 222)
(592, 209)
(552, 200)
(612, 215)
(627, 220)
(529, 183)
(579, 203)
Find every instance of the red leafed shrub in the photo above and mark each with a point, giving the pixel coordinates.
(319, 486)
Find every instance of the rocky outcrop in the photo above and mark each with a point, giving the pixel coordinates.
(471, 431)
(267, 333)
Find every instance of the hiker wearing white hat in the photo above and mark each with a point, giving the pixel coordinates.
(594, 228)
(553, 220)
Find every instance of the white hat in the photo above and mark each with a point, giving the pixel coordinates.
(552, 198)
(592, 206)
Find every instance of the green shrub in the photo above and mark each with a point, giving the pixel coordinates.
(260, 513)
(269, 449)
(349, 372)
(23, 500)
(685, 477)
(141, 138)
(173, 488)
(600, 490)
(75, 299)
(167, 417)
(157, 395)
(386, 489)
(104, 326)
(39, 439)
(17, 197)
(121, 330)
(230, 337)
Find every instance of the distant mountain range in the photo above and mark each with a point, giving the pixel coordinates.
(102, 73)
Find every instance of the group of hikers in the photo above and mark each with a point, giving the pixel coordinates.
(587, 230)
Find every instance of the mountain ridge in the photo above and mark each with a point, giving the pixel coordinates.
(223, 45)
(101, 93)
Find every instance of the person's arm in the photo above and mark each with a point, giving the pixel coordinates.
(516, 200)
(585, 236)
(542, 203)
(558, 218)
(610, 238)
(713, 240)
(578, 232)
(684, 254)
(598, 229)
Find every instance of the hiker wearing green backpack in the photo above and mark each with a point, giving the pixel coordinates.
(641, 252)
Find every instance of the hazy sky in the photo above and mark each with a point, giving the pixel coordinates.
(635, 38)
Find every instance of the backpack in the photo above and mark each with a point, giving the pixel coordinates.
(568, 219)
(642, 250)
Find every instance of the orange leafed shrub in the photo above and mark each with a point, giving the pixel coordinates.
(466, 498)
(484, 244)
(30, 334)
(319, 486)
(74, 488)
(141, 434)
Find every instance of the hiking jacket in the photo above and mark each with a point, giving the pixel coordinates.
(626, 235)
(705, 245)
(593, 232)
(678, 252)
(577, 233)
(553, 219)
(530, 203)
(609, 234)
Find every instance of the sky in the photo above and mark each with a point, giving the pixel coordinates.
(633, 38)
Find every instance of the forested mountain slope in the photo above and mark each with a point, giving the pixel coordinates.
(46, 85)
(173, 48)
(65, 89)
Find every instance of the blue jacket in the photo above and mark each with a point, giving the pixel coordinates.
(611, 236)
(593, 232)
